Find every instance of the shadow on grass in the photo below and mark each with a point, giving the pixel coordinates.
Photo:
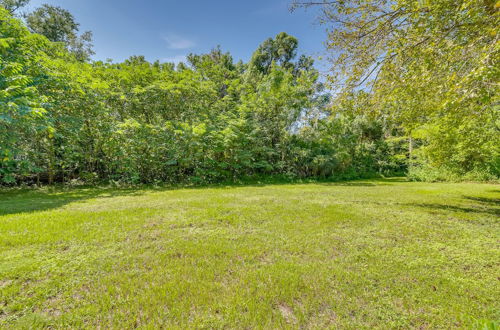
(14, 201)
(453, 208)
(485, 200)
(482, 205)
(367, 183)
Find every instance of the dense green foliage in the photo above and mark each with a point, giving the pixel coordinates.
(430, 69)
(210, 120)
(416, 88)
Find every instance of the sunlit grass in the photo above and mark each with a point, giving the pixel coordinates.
(379, 253)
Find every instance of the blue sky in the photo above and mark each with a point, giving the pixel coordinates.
(168, 30)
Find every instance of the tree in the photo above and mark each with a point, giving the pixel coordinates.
(13, 5)
(280, 50)
(59, 25)
(216, 66)
(429, 66)
(22, 115)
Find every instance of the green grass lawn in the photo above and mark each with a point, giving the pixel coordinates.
(362, 254)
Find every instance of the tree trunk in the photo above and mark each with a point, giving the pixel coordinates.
(52, 157)
(410, 151)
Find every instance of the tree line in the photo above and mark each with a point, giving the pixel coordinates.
(66, 118)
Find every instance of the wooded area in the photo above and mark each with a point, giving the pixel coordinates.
(413, 89)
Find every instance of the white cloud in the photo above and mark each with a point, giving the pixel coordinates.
(176, 41)
(174, 59)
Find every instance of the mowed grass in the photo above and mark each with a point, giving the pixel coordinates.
(363, 254)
